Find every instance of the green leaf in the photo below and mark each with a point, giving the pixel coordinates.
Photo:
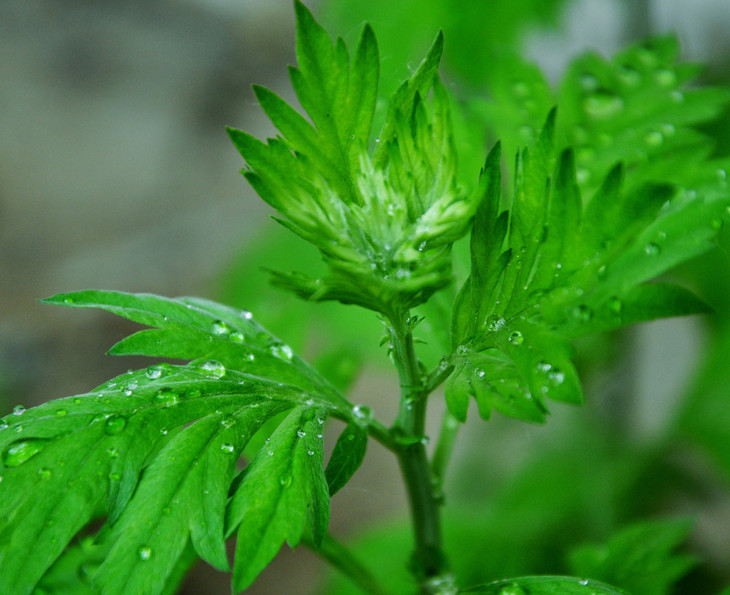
(564, 270)
(283, 487)
(546, 585)
(640, 558)
(346, 457)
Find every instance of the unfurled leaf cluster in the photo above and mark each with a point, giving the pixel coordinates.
(155, 452)
(384, 221)
(555, 266)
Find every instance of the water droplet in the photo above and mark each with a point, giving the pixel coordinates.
(301, 433)
(495, 323)
(220, 328)
(270, 453)
(114, 425)
(582, 313)
(114, 476)
(653, 138)
(144, 553)
(112, 452)
(556, 376)
(582, 175)
(285, 481)
(512, 590)
(282, 351)
(237, 337)
(246, 314)
(602, 104)
(45, 473)
(652, 249)
(227, 447)
(462, 350)
(479, 372)
(310, 453)
(213, 369)
(18, 410)
(722, 177)
(18, 453)
(320, 421)
(61, 412)
(421, 246)
(166, 396)
(362, 413)
(588, 82)
(543, 366)
(583, 582)
(615, 305)
(156, 371)
(227, 422)
(668, 130)
(629, 76)
(163, 431)
(516, 338)
(666, 78)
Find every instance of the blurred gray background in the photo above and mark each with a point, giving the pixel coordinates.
(116, 172)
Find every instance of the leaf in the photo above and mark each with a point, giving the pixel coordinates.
(346, 457)
(155, 451)
(283, 486)
(546, 585)
(549, 270)
(640, 558)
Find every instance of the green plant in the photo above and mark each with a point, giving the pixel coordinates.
(570, 246)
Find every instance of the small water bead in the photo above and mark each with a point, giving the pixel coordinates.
(615, 305)
(653, 138)
(285, 481)
(157, 371)
(495, 323)
(45, 473)
(603, 104)
(213, 369)
(18, 410)
(310, 453)
(144, 553)
(516, 338)
(462, 350)
(479, 372)
(582, 175)
(282, 351)
(582, 313)
(227, 447)
(665, 77)
(246, 314)
(512, 590)
(18, 453)
(668, 130)
(220, 328)
(301, 433)
(421, 246)
(320, 421)
(652, 249)
(114, 425)
(556, 376)
(114, 476)
(362, 413)
(237, 337)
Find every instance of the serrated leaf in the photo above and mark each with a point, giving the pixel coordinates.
(346, 457)
(546, 585)
(640, 558)
(282, 489)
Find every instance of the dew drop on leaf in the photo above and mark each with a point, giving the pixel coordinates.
(362, 413)
(301, 433)
(166, 396)
(512, 590)
(18, 453)
(653, 138)
(516, 338)
(310, 453)
(61, 412)
(652, 249)
(227, 447)
(615, 305)
(666, 78)
(282, 351)
(45, 473)
(629, 76)
(114, 425)
(213, 369)
(18, 410)
(220, 328)
(722, 176)
(246, 314)
(582, 313)
(237, 337)
(156, 371)
(479, 373)
(556, 376)
(602, 104)
(285, 481)
(144, 553)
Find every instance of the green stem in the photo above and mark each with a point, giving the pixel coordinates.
(428, 561)
(342, 558)
(444, 448)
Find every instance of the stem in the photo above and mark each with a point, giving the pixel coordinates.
(342, 558)
(444, 448)
(428, 561)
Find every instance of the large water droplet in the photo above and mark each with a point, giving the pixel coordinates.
(282, 351)
(166, 396)
(144, 553)
(602, 104)
(114, 425)
(220, 328)
(213, 369)
(157, 371)
(18, 453)
(516, 338)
